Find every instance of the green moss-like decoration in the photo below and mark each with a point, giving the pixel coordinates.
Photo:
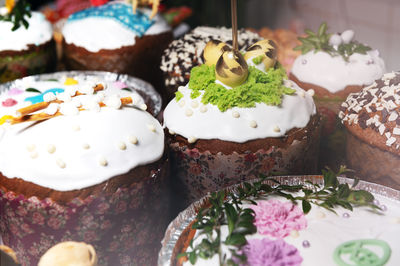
(260, 87)
(178, 95)
(257, 60)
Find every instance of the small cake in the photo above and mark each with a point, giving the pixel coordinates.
(334, 65)
(69, 253)
(25, 50)
(372, 122)
(264, 228)
(81, 161)
(237, 117)
(187, 52)
(110, 37)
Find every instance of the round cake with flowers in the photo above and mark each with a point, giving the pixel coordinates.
(26, 42)
(286, 222)
(81, 160)
(187, 52)
(116, 37)
(239, 116)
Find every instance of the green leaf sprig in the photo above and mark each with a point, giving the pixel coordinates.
(17, 15)
(227, 209)
(319, 41)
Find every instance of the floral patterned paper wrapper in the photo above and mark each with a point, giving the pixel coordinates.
(196, 173)
(177, 228)
(40, 60)
(333, 137)
(125, 227)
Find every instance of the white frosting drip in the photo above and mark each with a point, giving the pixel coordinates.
(63, 153)
(39, 32)
(95, 33)
(325, 231)
(210, 123)
(334, 73)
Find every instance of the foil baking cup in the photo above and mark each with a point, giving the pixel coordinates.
(145, 89)
(183, 220)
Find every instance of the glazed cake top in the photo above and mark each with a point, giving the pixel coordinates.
(111, 26)
(265, 105)
(39, 32)
(185, 53)
(374, 110)
(87, 139)
(335, 61)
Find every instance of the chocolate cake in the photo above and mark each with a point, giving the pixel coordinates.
(185, 53)
(81, 161)
(372, 124)
(26, 51)
(111, 38)
(223, 134)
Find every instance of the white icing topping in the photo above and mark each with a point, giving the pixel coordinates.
(326, 230)
(73, 152)
(96, 33)
(334, 73)
(208, 122)
(39, 32)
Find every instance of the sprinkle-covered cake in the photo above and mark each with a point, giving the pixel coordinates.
(112, 37)
(289, 223)
(81, 160)
(187, 52)
(372, 122)
(26, 44)
(239, 116)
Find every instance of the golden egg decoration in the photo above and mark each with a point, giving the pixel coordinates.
(213, 51)
(266, 49)
(231, 68)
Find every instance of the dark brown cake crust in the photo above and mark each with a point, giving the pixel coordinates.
(308, 133)
(141, 60)
(28, 189)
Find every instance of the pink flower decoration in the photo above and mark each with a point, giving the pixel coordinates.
(14, 91)
(278, 219)
(120, 84)
(9, 102)
(261, 252)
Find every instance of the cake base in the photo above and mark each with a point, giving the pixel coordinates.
(123, 219)
(372, 163)
(211, 165)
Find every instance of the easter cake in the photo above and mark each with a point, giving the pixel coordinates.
(288, 222)
(26, 43)
(112, 37)
(239, 116)
(372, 122)
(187, 52)
(81, 160)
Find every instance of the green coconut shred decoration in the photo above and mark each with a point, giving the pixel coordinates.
(260, 87)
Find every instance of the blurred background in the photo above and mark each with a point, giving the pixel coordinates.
(376, 22)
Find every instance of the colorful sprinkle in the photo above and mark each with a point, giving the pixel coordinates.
(39, 98)
(14, 91)
(70, 81)
(306, 244)
(346, 215)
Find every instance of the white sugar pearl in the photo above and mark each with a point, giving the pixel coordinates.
(235, 114)
(253, 124)
(277, 129)
(182, 103)
(122, 145)
(194, 104)
(152, 128)
(294, 234)
(320, 215)
(188, 112)
(61, 163)
(34, 155)
(31, 147)
(311, 92)
(103, 161)
(133, 139)
(85, 146)
(301, 94)
(192, 139)
(51, 148)
(203, 109)
(171, 132)
(143, 107)
(76, 127)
